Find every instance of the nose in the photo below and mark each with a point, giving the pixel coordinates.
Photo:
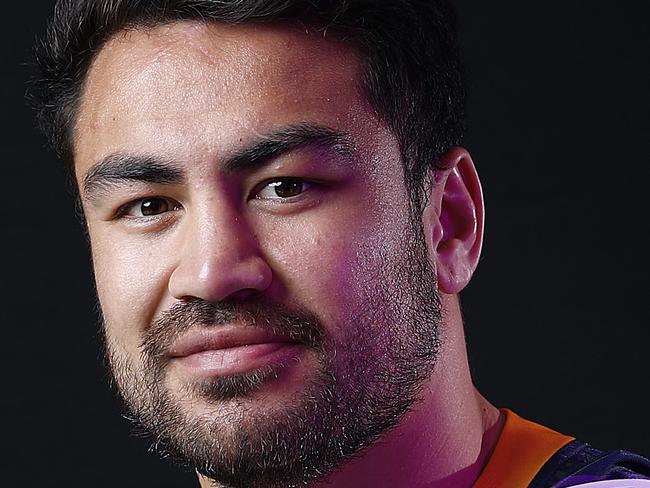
(219, 259)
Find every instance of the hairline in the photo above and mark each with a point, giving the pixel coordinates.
(74, 107)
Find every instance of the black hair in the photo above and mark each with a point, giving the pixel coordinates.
(412, 73)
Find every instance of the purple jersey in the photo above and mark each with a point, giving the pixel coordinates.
(578, 463)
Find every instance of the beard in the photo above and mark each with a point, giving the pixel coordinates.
(358, 385)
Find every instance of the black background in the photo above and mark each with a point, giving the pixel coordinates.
(556, 316)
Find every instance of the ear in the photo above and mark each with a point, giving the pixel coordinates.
(453, 220)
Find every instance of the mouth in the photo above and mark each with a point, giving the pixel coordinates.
(226, 351)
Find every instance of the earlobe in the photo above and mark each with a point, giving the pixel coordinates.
(454, 220)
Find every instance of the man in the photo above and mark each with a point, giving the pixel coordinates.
(281, 218)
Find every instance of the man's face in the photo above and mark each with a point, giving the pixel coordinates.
(268, 303)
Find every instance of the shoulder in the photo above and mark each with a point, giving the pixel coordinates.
(578, 462)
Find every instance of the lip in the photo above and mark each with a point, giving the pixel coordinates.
(232, 350)
(223, 338)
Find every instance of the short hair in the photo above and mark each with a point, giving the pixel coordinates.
(412, 74)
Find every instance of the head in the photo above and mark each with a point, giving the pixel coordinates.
(411, 72)
(266, 188)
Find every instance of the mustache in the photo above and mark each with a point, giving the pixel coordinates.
(299, 325)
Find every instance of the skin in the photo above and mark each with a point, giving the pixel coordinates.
(194, 94)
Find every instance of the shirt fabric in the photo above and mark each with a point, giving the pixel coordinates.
(529, 455)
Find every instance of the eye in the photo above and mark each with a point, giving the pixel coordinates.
(149, 207)
(283, 188)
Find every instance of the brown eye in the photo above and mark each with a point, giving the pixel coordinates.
(283, 188)
(149, 207)
(154, 206)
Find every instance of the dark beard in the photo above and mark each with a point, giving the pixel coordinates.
(360, 388)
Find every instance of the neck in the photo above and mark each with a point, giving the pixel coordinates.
(444, 440)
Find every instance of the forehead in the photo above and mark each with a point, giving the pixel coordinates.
(211, 85)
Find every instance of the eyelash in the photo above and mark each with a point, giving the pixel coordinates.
(278, 182)
(123, 211)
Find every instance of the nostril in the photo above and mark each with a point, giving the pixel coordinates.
(215, 276)
(244, 294)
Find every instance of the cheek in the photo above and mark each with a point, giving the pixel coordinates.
(331, 265)
(129, 282)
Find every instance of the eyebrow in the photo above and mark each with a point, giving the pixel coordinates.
(120, 168)
(285, 140)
